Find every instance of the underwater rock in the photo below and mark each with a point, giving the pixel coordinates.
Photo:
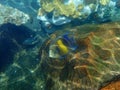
(59, 12)
(32, 40)
(94, 62)
(112, 86)
(12, 15)
(84, 57)
(11, 41)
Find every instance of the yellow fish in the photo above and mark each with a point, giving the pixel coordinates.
(63, 49)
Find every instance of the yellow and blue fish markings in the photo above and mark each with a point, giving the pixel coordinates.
(63, 48)
(66, 44)
(71, 41)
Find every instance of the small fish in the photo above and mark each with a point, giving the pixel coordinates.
(31, 41)
(63, 48)
(71, 41)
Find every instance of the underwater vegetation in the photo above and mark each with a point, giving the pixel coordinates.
(91, 66)
(66, 45)
(84, 57)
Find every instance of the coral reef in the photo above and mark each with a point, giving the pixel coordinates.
(71, 9)
(90, 66)
(104, 2)
(29, 7)
(12, 15)
(59, 12)
(60, 8)
(74, 58)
